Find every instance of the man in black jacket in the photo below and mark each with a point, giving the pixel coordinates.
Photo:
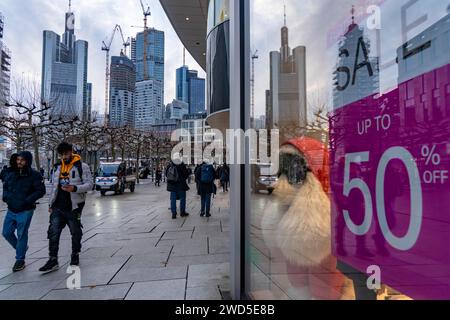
(22, 187)
(176, 184)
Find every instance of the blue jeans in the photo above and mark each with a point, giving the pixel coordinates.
(173, 201)
(206, 202)
(19, 222)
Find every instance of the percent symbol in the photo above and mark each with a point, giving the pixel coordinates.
(431, 155)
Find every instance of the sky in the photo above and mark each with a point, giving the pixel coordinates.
(25, 20)
(310, 22)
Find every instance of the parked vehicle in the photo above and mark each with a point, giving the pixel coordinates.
(115, 177)
(262, 180)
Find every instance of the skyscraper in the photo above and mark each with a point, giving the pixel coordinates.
(352, 81)
(64, 71)
(122, 90)
(155, 55)
(88, 109)
(190, 89)
(177, 110)
(148, 104)
(287, 89)
(5, 69)
(149, 94)
(5, 79)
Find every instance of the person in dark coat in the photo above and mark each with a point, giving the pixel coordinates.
(22, 188)
(224, 177)
(158, 177)
(176, 176)
(205, 177)
(12, 167)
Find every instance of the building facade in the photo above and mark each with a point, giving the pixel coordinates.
(122, 92)
(5, 83)
(176, 110)
(148, 104)
(65, 71)
(191, 89)
(287, 89)
(155, 55)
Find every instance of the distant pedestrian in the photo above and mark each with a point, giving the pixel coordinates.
(205, 176)
(12, 167)
(225, 177)
(197, 182)
(158, 177)
(22, 187)
(72, 180)
(176, 184)
(42, 172)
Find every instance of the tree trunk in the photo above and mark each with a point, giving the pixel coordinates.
(137, 163)
(37, 161)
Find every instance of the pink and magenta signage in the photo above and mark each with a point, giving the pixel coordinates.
(390, 186)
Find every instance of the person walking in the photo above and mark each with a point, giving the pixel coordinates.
(225, 177)
(72, 180)
(12, 167)
(176, 176)
(158, 177)
(22, 187)
(205, 176)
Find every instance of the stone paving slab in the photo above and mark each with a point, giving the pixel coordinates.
(203, 293)
(208, 275)
(109, 292)
(196, 260)
(28, 291)
(4, 287)
(31, 274)
(132, 249)
(137, 273)
(158, 290)
(98, 271)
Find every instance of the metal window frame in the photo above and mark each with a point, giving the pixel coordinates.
(240, 119)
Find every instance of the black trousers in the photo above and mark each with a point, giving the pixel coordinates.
(58, 221)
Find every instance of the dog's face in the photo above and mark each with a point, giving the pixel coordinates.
(291, 174)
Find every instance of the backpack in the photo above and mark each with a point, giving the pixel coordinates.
(206, 174)
(172, 174)
(77, 165)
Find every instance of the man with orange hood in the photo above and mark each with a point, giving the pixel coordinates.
(72, 180)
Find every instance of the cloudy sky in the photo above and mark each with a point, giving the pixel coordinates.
(311, 22)
(95, 19)
(318, 25)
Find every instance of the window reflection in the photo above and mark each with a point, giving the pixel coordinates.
(363, 107)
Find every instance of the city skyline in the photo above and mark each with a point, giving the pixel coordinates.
(90, 28)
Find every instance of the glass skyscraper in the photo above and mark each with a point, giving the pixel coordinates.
(149, 94)
(122, 88)
(64, 72)
(190, 89)
(5, 82)
(155, 55)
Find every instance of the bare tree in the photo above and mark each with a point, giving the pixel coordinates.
(29, 117)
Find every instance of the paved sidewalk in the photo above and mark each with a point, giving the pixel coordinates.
(132, 249)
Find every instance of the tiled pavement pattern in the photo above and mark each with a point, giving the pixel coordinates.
(132, 249)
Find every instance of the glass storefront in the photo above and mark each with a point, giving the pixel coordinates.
(360, 93)
(217, 59)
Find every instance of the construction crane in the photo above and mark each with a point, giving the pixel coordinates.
(254, 57)
(107, 47)
(146, 13)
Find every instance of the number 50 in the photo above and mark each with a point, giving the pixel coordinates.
(401, 243)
